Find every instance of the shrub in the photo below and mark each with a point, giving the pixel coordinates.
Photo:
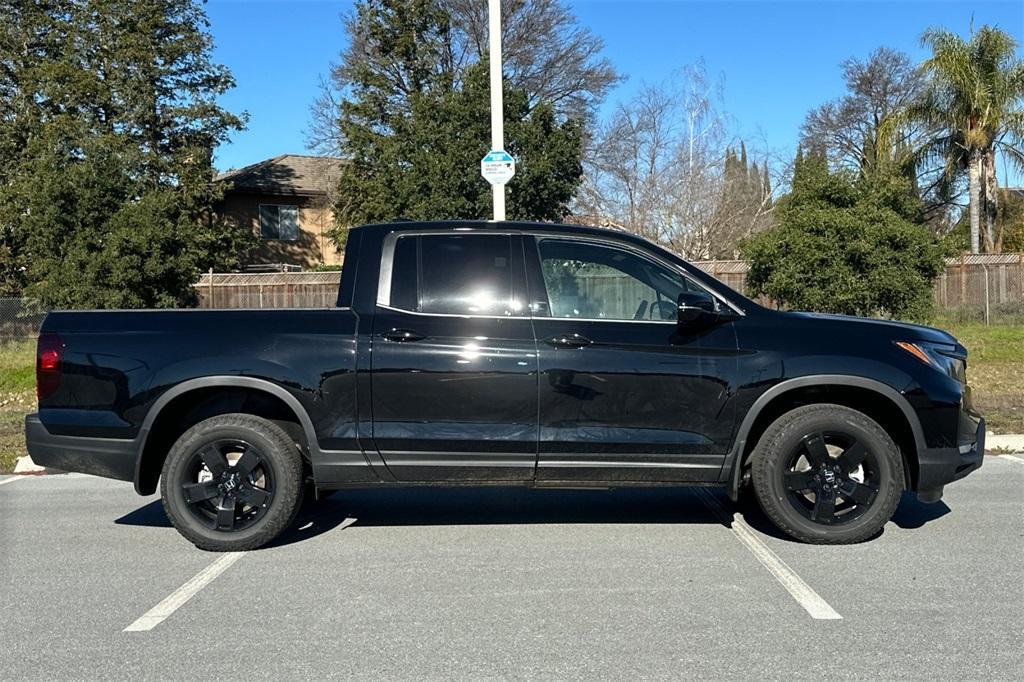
(847, 244)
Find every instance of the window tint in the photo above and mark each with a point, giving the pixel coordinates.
(594, 281)
(279, 222)
(453, 274)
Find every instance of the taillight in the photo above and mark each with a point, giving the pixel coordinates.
(48, 361)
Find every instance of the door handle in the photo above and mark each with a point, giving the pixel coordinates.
(568, 341)
(402, 335)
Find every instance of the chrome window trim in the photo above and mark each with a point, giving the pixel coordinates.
(638, 252)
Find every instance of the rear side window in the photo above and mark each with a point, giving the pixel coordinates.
(458, 274)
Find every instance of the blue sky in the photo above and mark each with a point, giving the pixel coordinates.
(778, 59)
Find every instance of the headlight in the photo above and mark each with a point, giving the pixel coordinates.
(945, 357)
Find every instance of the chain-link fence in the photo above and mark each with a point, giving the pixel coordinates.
(19, 319)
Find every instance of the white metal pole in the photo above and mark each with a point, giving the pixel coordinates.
(497, 98)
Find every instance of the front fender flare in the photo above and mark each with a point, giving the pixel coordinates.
(733, 464)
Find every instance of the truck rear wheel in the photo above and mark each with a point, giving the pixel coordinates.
(232, 482)
(827, 474)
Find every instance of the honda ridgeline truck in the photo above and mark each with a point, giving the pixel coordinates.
(512, 354)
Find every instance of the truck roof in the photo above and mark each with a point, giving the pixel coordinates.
(401, 225)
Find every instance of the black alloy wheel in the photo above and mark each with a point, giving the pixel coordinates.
(226, 485)
(832, 478)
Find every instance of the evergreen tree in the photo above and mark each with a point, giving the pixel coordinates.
(422, 160)
(107, 180)
(847, 243)
(746, 198)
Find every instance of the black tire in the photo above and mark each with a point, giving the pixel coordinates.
(827, 474)
(232, 483)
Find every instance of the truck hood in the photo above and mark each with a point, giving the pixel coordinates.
(896, 330)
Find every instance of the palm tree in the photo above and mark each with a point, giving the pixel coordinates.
(973, 99)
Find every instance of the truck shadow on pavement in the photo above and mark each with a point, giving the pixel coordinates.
(430, 506)
(911, 513)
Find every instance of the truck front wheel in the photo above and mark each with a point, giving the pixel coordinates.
(232, 483)
(827, 474)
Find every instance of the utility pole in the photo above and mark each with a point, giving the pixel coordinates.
(498, 166)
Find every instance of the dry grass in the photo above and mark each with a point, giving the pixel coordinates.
(995, 371)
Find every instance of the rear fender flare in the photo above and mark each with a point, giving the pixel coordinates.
(226, 382)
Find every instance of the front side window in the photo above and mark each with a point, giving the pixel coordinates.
(601, 282)
(458, 274)
(279, 221)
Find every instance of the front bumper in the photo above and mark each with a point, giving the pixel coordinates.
(107, 457)
(939, 466)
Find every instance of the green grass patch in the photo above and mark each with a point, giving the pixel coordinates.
(989, 343)
(17, 366)
(17, 398)
(12, 438)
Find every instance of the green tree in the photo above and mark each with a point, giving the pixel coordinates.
(107, 181)
(421, 160)
(974, 97)
(847, 244)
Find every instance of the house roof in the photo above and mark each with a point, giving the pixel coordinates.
(287, 174)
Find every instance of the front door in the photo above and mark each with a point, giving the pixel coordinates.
(626, 394)
(454, 381)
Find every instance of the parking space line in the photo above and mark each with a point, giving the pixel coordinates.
(1012, 458)
(805, 596)
(177, 599)
(12, 479)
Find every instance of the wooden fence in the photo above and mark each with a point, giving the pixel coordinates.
(984, 282)
(268, 290)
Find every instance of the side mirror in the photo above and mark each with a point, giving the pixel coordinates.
(695, 306)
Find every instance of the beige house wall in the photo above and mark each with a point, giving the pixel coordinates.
(312, 248)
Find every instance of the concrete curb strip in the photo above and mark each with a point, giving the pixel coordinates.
(25, 465)
(1004, 444)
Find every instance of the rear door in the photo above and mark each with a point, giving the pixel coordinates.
(626, 394)
(454, 380)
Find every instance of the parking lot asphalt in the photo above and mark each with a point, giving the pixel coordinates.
(511, 583)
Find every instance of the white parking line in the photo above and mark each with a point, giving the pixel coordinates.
(12, 479)
(1012, 458)
(177, 599)
(811, 601)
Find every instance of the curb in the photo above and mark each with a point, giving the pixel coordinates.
(1004, 444)
(24, 466)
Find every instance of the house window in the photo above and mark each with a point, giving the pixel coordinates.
(279, 221)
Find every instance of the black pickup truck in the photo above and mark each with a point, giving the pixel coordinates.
(506, 354)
